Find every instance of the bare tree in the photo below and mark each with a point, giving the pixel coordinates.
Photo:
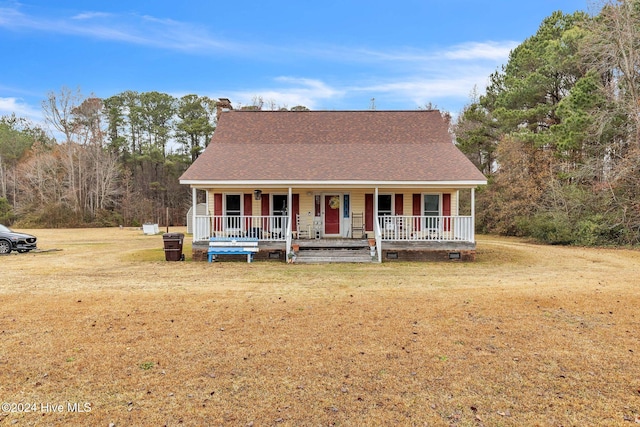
(41, 178)
(613, 50)
(58, 112)
(90, 172)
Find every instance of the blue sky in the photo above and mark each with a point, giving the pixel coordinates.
(326, 55)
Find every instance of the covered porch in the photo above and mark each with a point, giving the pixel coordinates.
(296, 219)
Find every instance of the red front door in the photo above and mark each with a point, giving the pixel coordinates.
(332, 214)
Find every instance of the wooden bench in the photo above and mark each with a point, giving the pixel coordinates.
(232, 246)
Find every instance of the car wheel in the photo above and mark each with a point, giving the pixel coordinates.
(5, 247)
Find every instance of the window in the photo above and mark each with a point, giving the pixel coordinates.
(346, 207)
(431, 205)
(233, 210)
(316, 206)
(279, 203)
(385, 205)
(431, 209)
(279, 209)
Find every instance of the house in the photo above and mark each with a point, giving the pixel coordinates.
(386, 184)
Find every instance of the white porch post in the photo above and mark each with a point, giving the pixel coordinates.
(289, 232)
(194, 204)
(376, 225)
(290, 208)
(473, 215)
(375, 205)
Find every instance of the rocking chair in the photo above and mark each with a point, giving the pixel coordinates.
(304, 230)
(357, 226)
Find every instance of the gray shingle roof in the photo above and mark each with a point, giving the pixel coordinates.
(332, 146)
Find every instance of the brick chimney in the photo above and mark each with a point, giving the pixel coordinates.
(223, 104)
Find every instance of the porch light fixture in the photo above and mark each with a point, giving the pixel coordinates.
(257, 194)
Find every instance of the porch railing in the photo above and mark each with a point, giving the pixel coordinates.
(426, 228)
(266, 228)
(377, 231)
(389, 228)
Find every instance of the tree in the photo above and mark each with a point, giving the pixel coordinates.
(142, 129)
(83, 164)
(513, 129)
(58, 112)
(16, 137)
(44, 187)
(613, 51)
(195, 126)
(612, 54)
(517, 189)
(477, 136)
(157, 111)
(258, 103)
(539, 74)
(6, 212)
(116, 125)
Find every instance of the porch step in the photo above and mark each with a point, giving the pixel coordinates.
(317, 256)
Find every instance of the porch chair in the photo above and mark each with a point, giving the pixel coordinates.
(304, 230)
(389, 228)
(357, 226)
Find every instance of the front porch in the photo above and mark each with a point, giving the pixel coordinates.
(394, 237)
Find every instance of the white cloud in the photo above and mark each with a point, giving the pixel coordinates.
(471, 51)
(91, 15)
(8, 16)
(190, 37)
(496, 51)
(17, 106)
(422, 90)
(416, 91)
(399, 75)
(127, 28)
(292, 92)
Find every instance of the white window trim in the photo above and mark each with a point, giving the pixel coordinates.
(224, 202)
(225, 213)
(422, 207)
(271, 204)
(393, 202)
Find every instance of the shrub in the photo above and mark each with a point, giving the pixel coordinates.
(6, 212)
(549, 228)
(53, 215)
(596, 230)
(107, 218)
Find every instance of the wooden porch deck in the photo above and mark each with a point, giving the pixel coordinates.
(354, 250)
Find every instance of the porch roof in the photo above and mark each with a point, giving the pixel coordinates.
(332, 146)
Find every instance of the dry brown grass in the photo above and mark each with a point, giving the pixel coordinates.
(526, 336)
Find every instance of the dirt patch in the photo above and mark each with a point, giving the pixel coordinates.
(527, 335)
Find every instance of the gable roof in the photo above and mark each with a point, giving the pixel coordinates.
(337, 146)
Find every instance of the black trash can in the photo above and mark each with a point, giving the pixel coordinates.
(173, 246)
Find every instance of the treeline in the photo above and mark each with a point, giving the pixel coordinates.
(558, 132)
(113, 161)
(105, 162)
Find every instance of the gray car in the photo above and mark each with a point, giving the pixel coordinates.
(12, 241)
